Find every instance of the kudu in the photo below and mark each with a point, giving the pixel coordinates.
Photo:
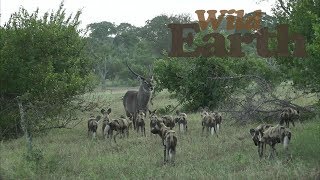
(138, 100)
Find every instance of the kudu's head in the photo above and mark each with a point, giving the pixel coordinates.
(146, 83)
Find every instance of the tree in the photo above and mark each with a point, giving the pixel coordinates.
(204, 81)
(303, 17)
(158, 34)
(43, 67)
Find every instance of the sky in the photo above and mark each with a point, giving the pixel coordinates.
(135, 12)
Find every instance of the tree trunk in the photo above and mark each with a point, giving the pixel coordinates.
(24, 126)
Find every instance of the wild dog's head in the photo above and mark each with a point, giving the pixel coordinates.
(106, 114)
(183, 118)
(152, 113)
(156, 128)
(153, 118)
(204, 113)
(255, 136)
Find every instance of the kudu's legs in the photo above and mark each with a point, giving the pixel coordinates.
(164, 154)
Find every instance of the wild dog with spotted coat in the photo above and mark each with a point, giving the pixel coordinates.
(288, 115)
(93, 125)
(182, 122)
(140, 123)
(218, 119)
(120, 125)
(169, 140)
(168, 121)
(209, 123)
(153, 119)
(257, 134)
(105, 122)
(274, 135)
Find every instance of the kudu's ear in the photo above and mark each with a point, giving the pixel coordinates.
(140, 78)
(109, 111)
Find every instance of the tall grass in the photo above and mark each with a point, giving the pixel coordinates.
(70, 154)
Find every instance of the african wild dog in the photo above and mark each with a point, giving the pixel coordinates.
(288, 115)
(140, 123)
(209, 122)
(105, 123)
(182, 122)
(168, 121)
(93, 125)
(120, 125)
(274, 135)
(257, 134)
(153, 118)
(218, 118)
(169, 140)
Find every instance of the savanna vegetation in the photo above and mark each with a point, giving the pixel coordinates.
(54, 76)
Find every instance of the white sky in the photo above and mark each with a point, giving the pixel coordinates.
(135, 12)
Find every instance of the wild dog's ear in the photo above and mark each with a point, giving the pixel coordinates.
(288, 133)
(103, 111)
(298, 112)
(177, 112)
(252, 132)
(109, 111)
(98, 118)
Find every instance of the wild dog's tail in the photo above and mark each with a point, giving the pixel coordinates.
(286, 142)
(172, 145)
(286, 139)
(172, 140)
(106, 131)
(181, 127)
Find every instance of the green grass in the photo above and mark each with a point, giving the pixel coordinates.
(70, 154)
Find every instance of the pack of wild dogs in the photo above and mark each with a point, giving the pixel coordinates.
(161, 125)
(210, 122)
(136, 102)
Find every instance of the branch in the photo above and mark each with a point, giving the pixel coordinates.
(54, 127)
(284, 8)
(268, 86)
